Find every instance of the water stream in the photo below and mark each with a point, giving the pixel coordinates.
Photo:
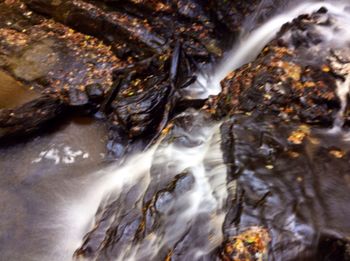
(61, 188)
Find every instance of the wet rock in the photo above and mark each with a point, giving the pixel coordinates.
(119, 223)
(286, 81)
(69, 69)
(138, 95)
(30, 117)
(138, 29)
(333, 248)
(145, 97)
(286, 165)
(113, 27)
(160, 203)
(95, 92)
(55, 58)
(242, 16)
(158, 60)
(295, 191)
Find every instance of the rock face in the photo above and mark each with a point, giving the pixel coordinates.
(155, 218)
(287, 80)
(128, 60)
(289, 169)
(136, 28)
(54, 60)
(290, 181)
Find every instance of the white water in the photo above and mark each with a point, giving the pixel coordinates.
(249, 45)
(74, 216)
(208, 194)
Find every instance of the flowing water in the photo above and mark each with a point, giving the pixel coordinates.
(59, 195)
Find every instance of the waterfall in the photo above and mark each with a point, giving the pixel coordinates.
(74, 209)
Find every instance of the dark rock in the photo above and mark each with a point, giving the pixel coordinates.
(30, 117)
(55, 61)
(138, 29)
(53, 57)
(289, 170)
(95, 92)
(290, 185)
(285, 80)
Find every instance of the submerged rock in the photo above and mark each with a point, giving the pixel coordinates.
(169, 212)
(30, 117)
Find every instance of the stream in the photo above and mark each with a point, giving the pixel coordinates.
(62, 199)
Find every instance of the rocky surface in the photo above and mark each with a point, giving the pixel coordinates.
(281, 154)
(291, 180)
(287, 79)
(121, 59)
(138, 29)
(152, 218)
(69, 69)
(126, 62)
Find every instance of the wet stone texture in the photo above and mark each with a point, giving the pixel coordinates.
(139, 29)
(287, 79)
(290, 169)
(126, 60)
(69, 69)
(153, 219)
(294, 188)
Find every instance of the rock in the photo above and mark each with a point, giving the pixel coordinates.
(95, 92)
(156, 212)
(137, 95)
(294, 190)
(55, 58)
(137, 29)
(55, 61)
(30, 117)
(289, 169)
(285, 81)
(155, 61)
(145, 97)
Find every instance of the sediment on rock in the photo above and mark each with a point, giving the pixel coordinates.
(115, 38)
(277, 113)
(137, 92)
(66, 67)
(286, 80)
(137, 29)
